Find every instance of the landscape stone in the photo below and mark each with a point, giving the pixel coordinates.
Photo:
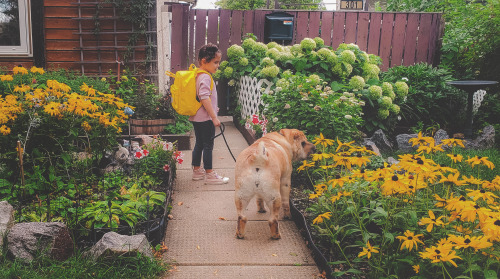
(392, 161)
(485, 140)
(113, 244)
(381, 141)
(439, 136)
(6, 219)
(370, 145)
(25, 240)
(403, 143)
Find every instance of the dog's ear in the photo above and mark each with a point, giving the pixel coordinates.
(297, 134)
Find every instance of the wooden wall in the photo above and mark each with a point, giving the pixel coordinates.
(70, 40)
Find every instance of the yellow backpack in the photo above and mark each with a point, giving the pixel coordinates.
(183, 91)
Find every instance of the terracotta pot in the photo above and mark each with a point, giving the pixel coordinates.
(148, 127)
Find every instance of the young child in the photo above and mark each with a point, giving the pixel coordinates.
(205, 120)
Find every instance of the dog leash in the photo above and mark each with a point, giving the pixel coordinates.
(222, 129)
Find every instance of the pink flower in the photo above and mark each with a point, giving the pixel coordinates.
(145, 152)
(178, 154)
(166, 167)
(138, 155)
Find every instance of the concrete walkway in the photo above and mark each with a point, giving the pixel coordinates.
(201, 236)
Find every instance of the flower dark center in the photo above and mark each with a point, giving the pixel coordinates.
(362, 171)
(437, 251)
(359, 155)
(337, 176)
(497, 223)
(410, 177)
(395, 178)
(482, 191)
(410, 237)
(479, 157)
(411, 187)
(477, 206)
(420, 162)
(462, 199)
(467, 241)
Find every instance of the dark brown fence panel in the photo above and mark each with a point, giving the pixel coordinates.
(350, 28)
(247, 22)
(200, 30)
(302, 20)
(236, 27)
(224, 31)
(398, 40)
(435, 35)
(213, 26)
(386, 39)
(424, 37)
(362, 37)
(191, 48)
(411, 39)
(258, 24)
(326, 27)
(314, 21)
(178, 49)
(338, 29)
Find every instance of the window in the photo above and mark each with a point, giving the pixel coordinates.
(15, 28)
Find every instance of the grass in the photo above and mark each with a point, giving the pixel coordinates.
(79, 267)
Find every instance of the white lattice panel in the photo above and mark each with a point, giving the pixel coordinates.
(249, 94)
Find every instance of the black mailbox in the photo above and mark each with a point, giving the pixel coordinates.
(278, 28)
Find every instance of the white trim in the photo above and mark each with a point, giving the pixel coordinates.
(26, 47)
(163, 23)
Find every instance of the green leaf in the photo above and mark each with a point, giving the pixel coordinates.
(389, 236)
(490, 274)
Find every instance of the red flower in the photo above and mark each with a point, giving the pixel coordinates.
(179, 160)
(145, 152)
(138, 155)
(255, 119)
(166, 167)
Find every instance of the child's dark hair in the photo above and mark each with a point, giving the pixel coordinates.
(208, 52)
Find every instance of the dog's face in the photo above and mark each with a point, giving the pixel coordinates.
(301, 147)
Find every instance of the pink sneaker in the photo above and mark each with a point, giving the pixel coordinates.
(199, 174)
(213, 178)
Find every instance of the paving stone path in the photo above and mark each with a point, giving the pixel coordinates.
(201, 236)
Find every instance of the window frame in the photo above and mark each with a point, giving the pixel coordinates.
(25, 49)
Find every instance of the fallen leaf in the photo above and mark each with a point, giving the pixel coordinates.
(198, 247)
(274, 255)
(170, 216)
(222, 218)
(180, 203)
(293, 254)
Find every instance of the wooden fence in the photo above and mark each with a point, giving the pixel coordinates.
(398, 38)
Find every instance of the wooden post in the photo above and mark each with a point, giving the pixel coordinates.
(20, 155)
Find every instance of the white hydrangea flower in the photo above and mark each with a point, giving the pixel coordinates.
(275, 119)
(287, 106)
(347, 116)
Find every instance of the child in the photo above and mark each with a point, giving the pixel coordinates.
(205, 120)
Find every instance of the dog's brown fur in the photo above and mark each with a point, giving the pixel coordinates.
(264, 169)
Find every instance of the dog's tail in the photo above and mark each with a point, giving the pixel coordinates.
(261, 154)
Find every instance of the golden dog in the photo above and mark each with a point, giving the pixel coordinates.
(264, 169)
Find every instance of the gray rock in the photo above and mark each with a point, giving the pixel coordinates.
(403, 143)
(485, 140)
(25, 240)
(370, 145)
(113, 245)
(439, 136)
(6, 219)
(392, 161)
(381, 141)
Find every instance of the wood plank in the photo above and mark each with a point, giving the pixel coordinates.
(65, 55)
(302, 22)
(294, 31)
(191, 47)
(424, 37)
(351, 24)
(362, 35)
(224, 32)
(398, 41)
(433, 44)
(411, 39)
(236, 27)
(314, 20)
(374, 33)
(248, 22)
(327, 27)
(200, 31)
(213, 27)
(386, 40)
(61, 45)
(177, 33)
(338, 29)
(258, 24)
(60, 34)
(58, 3)
(61, 12)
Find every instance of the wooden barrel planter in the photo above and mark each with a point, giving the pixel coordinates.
(148, 127)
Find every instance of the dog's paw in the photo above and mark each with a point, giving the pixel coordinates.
(240, 236)
(276, 237)
(262, 210)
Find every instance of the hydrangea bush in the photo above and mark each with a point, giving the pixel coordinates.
(346, 69)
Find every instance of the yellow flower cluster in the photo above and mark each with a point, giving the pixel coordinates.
(56, 99)
(471, 220)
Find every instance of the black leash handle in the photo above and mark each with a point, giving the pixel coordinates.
(222, 129)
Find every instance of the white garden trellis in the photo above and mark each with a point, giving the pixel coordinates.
(249, 95)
